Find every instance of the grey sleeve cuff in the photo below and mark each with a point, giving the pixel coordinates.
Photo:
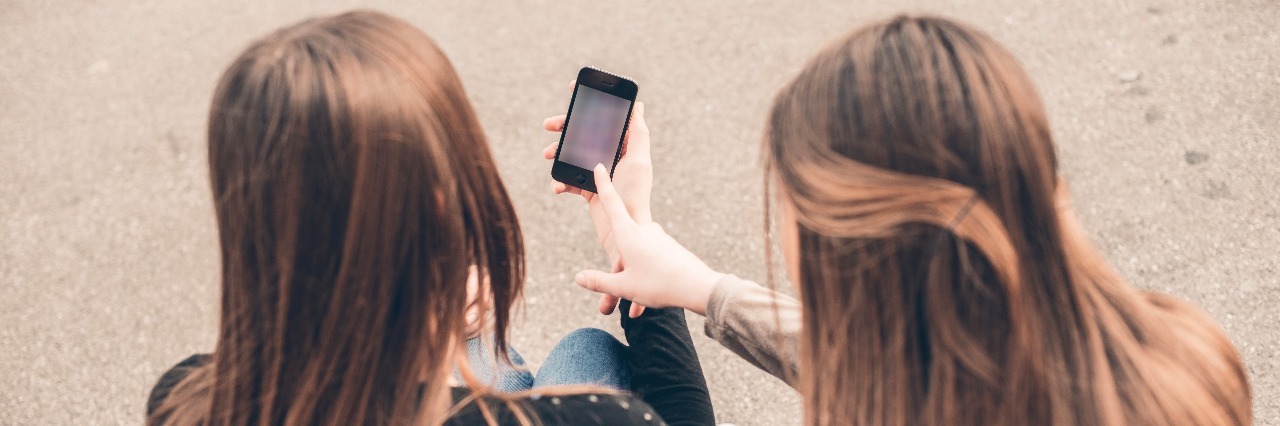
(724, 291)
(741, 316)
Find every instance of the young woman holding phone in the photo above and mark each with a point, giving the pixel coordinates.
(942, 276)
(356, 198)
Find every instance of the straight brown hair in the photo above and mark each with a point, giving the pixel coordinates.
(353, 187)
(942, 275)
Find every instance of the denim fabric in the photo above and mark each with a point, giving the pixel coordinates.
(587, 356)
(498, 375)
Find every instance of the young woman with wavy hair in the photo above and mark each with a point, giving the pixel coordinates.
(942, 276)
(356, 198)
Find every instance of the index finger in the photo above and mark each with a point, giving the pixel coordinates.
(554, 124)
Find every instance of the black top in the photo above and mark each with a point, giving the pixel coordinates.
(666, 379)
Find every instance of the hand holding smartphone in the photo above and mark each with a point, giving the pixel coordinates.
(594, 127)
(603, 104)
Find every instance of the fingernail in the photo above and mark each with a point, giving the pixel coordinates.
(579, 278)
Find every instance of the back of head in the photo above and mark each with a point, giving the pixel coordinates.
(941, 279)
(353, 187)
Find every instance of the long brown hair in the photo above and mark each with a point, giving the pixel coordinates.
(943, 280)
(353, 187)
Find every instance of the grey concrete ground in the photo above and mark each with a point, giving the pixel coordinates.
(1166, 114)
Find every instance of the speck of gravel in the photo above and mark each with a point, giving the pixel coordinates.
(1196, 157)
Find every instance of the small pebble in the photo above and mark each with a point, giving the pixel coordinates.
(1196, 157)
(1130, 76)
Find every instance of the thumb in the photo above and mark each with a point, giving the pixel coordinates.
(614, 208)
(600, 282)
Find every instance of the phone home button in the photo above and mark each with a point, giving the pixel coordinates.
(580, 178)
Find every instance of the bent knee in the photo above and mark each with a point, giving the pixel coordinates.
(590, 336)
(590, 333)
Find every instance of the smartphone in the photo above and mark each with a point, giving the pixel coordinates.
(594, 127)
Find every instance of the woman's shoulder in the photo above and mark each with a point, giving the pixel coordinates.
(1205, 356)
(1186, 319)
(1195, 339)
(574, 409)
(173, 376)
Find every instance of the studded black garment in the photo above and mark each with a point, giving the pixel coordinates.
(666, 378)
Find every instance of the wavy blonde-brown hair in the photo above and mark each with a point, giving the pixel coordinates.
(942, 278)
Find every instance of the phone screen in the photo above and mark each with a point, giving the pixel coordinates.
(594, 129)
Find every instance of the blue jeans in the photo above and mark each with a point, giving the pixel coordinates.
(587, 356)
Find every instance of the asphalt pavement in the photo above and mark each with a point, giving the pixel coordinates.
(1166, 115)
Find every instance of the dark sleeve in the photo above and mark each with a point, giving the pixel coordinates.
(664, 366)
(172, 377)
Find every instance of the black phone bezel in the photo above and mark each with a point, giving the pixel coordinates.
(605, 82)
